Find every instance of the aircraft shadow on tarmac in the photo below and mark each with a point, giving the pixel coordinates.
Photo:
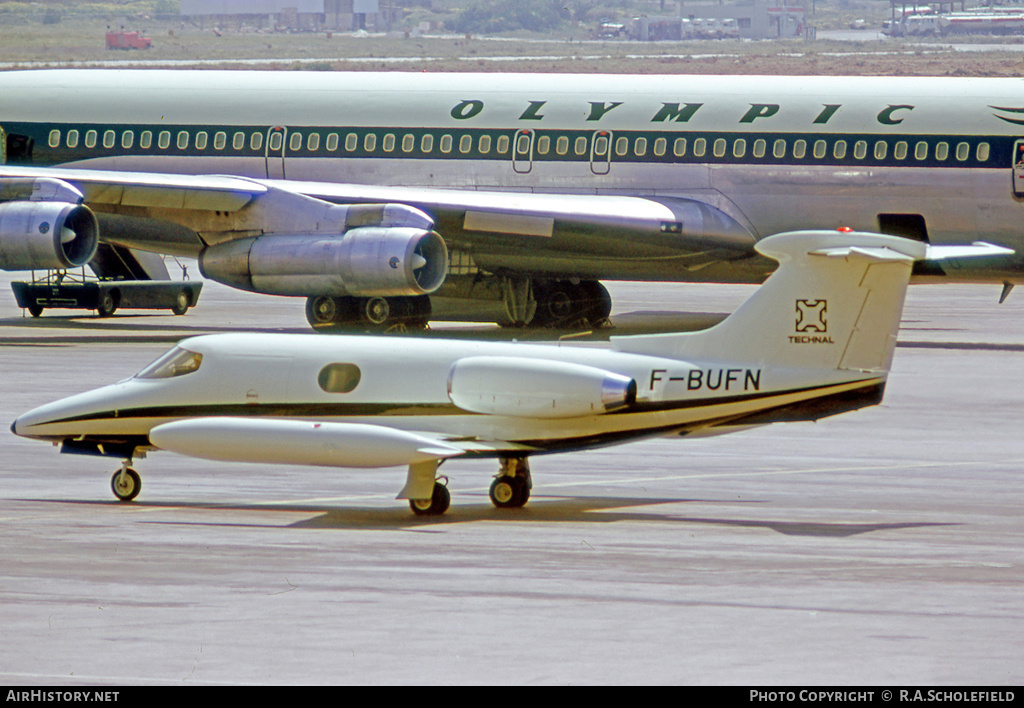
(541, 509)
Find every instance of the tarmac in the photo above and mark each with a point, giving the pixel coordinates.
(880, 547)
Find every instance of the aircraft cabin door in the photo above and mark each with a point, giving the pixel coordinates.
(275, 152)
(601, 152)
(522, 151)
(1018, 168)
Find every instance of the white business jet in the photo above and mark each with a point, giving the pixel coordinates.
(815, 340)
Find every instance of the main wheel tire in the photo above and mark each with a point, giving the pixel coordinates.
(438, 503)
(126, 487)
(509, 492)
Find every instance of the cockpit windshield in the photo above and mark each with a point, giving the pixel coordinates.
(176, 362)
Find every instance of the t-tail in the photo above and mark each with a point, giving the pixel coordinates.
(834, 303)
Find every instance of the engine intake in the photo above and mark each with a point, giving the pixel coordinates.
(366, 261)
(46, 235)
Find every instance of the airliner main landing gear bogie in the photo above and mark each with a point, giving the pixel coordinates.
(375, 314)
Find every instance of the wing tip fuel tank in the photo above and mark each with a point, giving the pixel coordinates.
(281, 441)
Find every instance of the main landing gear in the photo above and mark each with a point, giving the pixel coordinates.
(510, 489)
(397, 314)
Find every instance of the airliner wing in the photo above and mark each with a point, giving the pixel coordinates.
(559, 235)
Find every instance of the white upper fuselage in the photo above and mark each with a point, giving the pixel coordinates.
(774, 153)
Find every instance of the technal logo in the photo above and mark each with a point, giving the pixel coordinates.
(811, 316)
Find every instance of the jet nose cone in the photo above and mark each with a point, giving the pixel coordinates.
(14, 426)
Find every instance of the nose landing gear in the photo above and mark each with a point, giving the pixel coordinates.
(126, 483)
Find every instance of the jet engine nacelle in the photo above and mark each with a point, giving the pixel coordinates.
(296, 442)
(366, 261)
(46, 235)
(536, 388)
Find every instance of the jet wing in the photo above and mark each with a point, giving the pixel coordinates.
(559, 235)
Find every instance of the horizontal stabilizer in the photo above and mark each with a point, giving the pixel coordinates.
(975, 250)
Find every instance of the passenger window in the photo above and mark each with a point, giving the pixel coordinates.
(820, 149)
(201, 140)
(256, 141)
(370, 142)
(760, 148)
(522, 144)
(146, 139)
(640, 147)
(800, 149)
(127, 139)
(779, 148)
(982, 153)
(941, 151)
(427, 143)
(581, 145)
(108, 139)
(183, 140)
(562, 145)
(839, 150)
(466, 144)
(679, 147)
(54, 140)
(739, 148)
(176, 362)
(900, 151)
(503, 143)
(921, 151)
(543, 145)
(90, 139)
(718, 147)
(332, 142)
(881, 149)
(339, 378)
(163, 140)
(963, 151)
(408, 143)
(446, 144)
(621, 146)
(220, 140)
(660, 146)
(484, 145)
(700, 145)
(295, 142)
(388, 143)
(275, 141)
(351, 142)
(860, 149)
(238, 141)
(72, 138)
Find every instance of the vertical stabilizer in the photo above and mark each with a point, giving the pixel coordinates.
(834, 302)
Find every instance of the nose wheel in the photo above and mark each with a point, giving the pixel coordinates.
(126, 484)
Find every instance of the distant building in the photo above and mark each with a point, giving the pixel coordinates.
(756, 20)
(312, 15)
